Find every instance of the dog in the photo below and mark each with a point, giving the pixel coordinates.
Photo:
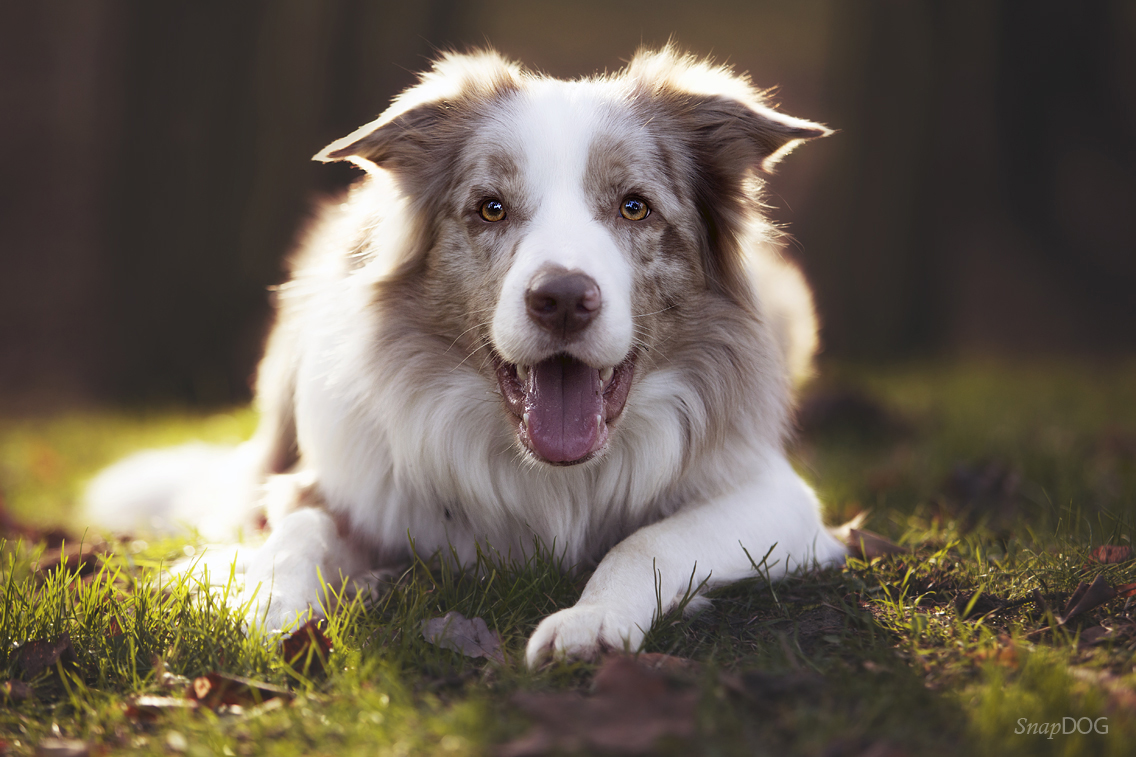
(551, 312)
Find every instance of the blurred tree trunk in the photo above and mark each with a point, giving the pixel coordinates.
(226, 106)
(982, 198)
(58, 99)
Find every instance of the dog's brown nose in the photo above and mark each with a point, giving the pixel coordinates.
(562, 302)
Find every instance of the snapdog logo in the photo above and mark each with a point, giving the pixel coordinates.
(1066, 727)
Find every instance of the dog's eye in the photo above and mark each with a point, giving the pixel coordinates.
(492, 210)
(634, 209)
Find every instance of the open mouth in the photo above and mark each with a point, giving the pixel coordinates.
(563, 407)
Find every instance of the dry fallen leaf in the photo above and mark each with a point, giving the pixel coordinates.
(867, 545)
(470, 637)
(42, 655)
(632, 708)
(1110, 553)
(15, 691)
(307, 649)
(215, 689)
(1094, 635)
(1087, 597)
(669, 664)
(1126, 590)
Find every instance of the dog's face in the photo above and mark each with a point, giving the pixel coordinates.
(569, 224)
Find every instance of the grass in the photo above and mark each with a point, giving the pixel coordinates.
(1000, 479)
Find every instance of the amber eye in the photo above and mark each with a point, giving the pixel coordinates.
(634, 209)
(492, 210)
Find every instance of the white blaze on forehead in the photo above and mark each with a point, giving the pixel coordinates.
(555, 124)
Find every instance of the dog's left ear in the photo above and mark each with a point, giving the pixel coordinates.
(749, 134)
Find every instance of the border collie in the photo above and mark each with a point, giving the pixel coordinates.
(551, 312)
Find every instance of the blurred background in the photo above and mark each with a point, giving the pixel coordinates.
(979, 197)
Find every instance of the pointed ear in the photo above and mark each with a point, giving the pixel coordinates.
(425, 120)
(729, 116)
(750, 134)
(401, 141)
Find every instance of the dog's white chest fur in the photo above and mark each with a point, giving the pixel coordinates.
(550, 314)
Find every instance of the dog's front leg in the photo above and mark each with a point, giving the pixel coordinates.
(776, 515)
(285, 578)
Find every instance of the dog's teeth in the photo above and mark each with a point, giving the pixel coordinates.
(606, 374)
(522, 373)
(599, 422)
(525, 420)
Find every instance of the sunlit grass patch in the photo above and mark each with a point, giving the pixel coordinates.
(999, 481)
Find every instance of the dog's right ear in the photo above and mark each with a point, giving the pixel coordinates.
(395, 141)
(425, 121)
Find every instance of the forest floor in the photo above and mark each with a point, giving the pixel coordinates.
(1001, 619)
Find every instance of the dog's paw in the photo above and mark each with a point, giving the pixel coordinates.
(276, 612)
(581, 633)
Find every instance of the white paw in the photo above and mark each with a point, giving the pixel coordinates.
(275, 612)
(582, 632)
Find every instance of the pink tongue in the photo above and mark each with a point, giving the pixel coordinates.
(563, 402)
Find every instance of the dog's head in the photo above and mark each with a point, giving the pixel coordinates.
(570, 223)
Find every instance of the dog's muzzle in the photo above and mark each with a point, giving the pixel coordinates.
(562, 406)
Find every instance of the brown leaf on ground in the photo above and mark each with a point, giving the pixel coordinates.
(470, 637)
(215, 689)
(1087, 597)
(1110, 553)
(669, 664)
(1075, 597)
(307, 649)
(1126, 590)
(15, 691)
(1094, 635)
(42, 655)
(147, 709)
(867, 545)
(632, 707)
